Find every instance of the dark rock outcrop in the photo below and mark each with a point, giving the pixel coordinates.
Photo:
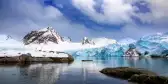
(140, 76)
(132, 51)
(68, 59)
(16, 59)
(156, 56)
(164, 53)
(42, 36)
(87, 41)
(27, 58)
(148, 79)
(125, 72)
(146, 53)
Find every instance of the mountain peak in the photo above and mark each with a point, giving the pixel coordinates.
(44, 35)
(87, 41)
(46, 29)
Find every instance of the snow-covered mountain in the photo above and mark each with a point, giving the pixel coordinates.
(7, 41)
(86, 40)
(42, 36)
(48, 39)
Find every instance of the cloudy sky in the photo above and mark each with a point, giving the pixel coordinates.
(78, 18)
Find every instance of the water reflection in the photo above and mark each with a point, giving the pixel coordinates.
(78, 72)
(35, 73)
(157, 65)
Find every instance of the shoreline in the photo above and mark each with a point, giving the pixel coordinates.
(27, 58)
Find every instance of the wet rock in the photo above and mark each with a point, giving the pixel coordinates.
(149, 79)
(28, 54)
(27, 58)
(155, 56)
(40, 59)
(16, 59)
(68, 59)
(86, 60)
(125, 72)
(139, 76)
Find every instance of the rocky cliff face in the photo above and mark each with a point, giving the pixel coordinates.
(42, 36)
(132, 51)
(87, 41)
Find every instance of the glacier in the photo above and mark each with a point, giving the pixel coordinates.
(154, 44)
(11, 47)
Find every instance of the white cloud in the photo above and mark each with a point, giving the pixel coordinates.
(120, 11)
(158, 13)
(51, 12)
(114, 11)
(159, 8)
(18, 17)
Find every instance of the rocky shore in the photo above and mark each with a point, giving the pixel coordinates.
(27, 58)
(140, 76)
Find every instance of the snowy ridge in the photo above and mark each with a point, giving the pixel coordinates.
(104, 41)
(42, 36)
(71, 46)
(154, 44)
(6, 42)
(52, 32)
(19, 48)
(126, 41)
(86, 40)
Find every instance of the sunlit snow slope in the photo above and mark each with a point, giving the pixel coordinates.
(12, 47)
(154, 44)
(69, 46)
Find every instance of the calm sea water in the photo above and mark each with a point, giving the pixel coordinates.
(78, 72)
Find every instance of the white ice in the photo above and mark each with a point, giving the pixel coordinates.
(15, 48)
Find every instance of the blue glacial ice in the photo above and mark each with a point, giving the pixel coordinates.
(154, 44)
(110, 50)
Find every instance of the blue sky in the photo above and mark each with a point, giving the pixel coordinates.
(116, 19)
